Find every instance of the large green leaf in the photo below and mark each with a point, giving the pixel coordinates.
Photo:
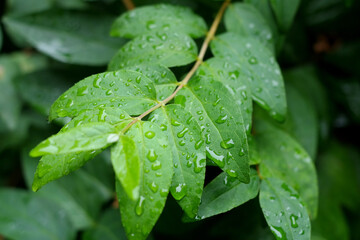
(25, 215)
(261, 68)
(140, 216)
(188, 153)
(160, 17)
(167, 48)
(283, 210)
(221, 123)
(52, 167)
(89, 136)
(108, 227)
(235, 81)
(284, 158)
(67, 37)
(126, 89)
(225, 193)
(285, 11)
(245, 19)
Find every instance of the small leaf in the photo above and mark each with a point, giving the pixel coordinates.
(90, 136)
(284, 158)
(188, 153)
(222, 127)
(67, 37)
(140, 216)
(245, 19)
(285, 11)
(283, 210)
(261, 68)
(127, 167)
(168, 49)
(225, 193)
(125, 89)
(160, 17)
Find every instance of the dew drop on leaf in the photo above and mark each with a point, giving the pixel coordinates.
(152, 155)
(82, 91)
(182, 132)
(228, 143)
(221, 119)
(253, 60)
(179, 191)
(139, 209)
(156, 165)
(293, 221)
(150, 134)
(154, 187)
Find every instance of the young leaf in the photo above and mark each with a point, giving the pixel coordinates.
(245, 19)
(67, 37)
(285, 11)
(287, 160)
(235, 81)
(225, 193)
(223, 128)
(260, 66)
(127, 166)
(160, 17)
(166, 48)
(140, 216)
(188, 153)
(283, 210)
(90, 136)
(126, 89)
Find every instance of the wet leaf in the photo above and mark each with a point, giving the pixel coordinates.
(222, 127)
(188, 154)
(225, 193)
(125, 89)
(66, 36)
(160, 17)
(168, 49)
(283, 210)
(140, 216)
(245, 19)
(260, 67)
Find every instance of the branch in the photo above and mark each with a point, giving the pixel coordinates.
(129, 4)
(209, 36)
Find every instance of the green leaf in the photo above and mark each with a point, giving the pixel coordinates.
(159, 17)
(52, 167)
(90, 136)
(246, 20)
(25, 215)
(140, 216)
(67, 37)
(188, 154)
(284, 158)
(126, 89)
(126, 161)
(228, 74)
(260, 67)
(166, 48)
(221, 124)
(285, 11)
(225, 193)
(283, 210)
(108, 227)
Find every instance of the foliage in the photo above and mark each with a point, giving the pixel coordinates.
(214, 108)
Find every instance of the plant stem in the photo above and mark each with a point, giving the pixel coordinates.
(129, 4)
(209, 36)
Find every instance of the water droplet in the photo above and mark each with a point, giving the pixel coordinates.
(140, 206)
(152, 155)
(122, 116)
(228, 143)
(97, 81)
(156, 165)
(231, 173)
(164, 192)
(154, 187)
(198, 144)
(69, 103)
(174, 122)
(109, 92)
(293, 219)
(242, 152)
(278, 231)
(179, 191)
(150, 134)
(150, 24)
(182, 143)
(199, 164)
(182, 132)
(217, 158)
(82, 91)
(163, 127)
(221, 119)
(253, 60)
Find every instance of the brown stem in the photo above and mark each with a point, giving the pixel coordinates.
(258, 172)
(209, 36)
(129, 4)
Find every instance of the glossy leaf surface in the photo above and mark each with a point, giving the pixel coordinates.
(160, 17)
(261, 68)
(168, 49)
(225, 193)
(188, 153)
(283, 210)
(140, 216)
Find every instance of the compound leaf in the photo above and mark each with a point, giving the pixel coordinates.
(166, 48)
(139, 216)
(260, 66)
(283, 210)
(225, 193)
(188, 153)
(160, 17)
